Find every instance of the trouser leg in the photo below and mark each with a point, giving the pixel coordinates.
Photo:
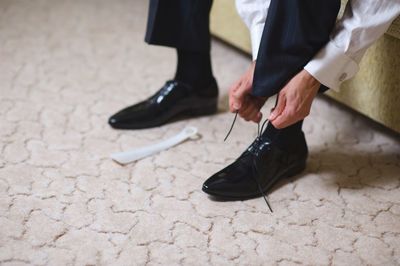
(295, 30)
(182, 24)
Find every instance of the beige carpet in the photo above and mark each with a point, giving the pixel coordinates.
(65, 66)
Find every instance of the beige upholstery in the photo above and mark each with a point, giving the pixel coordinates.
(374, 91)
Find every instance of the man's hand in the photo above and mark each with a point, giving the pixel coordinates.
(294, 100)
(240, 98)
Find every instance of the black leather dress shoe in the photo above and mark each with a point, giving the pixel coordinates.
(257, 170)
(173, 100)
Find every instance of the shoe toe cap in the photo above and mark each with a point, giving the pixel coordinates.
(125, 120)
(232, 182)
(116, 121)
(112, 121)
(217, 185)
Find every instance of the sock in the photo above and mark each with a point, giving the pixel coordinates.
(194, 68)
(286, 138)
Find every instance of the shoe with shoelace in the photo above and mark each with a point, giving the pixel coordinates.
(174, 100)
(258, 169)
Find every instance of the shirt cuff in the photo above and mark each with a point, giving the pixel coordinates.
(256, 32)
(331, 66)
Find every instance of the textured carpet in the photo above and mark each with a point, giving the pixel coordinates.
(65, 66)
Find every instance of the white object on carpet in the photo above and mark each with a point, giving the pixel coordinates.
(134, 155)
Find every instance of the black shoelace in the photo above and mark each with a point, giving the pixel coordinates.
(255, 172)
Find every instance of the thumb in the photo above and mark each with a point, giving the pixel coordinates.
(279, 107)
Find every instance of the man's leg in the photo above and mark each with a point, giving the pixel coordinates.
(183, 25)
(284, 53)
(287, 47)
(294, 32)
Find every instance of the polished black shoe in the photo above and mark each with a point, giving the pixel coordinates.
(255, 172)
(174, 100)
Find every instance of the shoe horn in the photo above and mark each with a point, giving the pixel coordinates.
(140, 153)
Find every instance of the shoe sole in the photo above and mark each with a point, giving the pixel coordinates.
(287, 174)
(191, 112)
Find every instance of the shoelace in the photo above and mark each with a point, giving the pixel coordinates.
(163, 92)
(255, 172)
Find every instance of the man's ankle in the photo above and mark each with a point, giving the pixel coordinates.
(290, 139)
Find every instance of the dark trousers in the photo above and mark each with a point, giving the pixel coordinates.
(294, 32)
(182, 24)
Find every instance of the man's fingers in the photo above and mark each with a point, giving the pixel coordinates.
(250, 113)
(279, 107)
(235, 86)
(281, 121)
(285, 119)
(240, 94)
(255, 116)
(231, 108)
(245, 110)
(232, 90)
(258, 117)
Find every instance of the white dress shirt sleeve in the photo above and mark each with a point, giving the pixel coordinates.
(362, 23)
(254, 13)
